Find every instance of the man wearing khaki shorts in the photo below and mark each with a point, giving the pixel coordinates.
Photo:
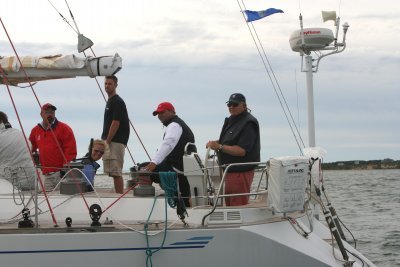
(115, 133)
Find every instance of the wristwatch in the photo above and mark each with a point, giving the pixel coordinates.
(220, 148)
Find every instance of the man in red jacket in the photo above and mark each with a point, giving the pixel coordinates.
(56, 143)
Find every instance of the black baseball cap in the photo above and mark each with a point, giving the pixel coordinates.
(236, 98)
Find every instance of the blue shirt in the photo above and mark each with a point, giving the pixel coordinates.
(90, 170)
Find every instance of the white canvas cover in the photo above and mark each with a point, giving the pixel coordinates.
(11, 64)
(57, 67)
(287, 180)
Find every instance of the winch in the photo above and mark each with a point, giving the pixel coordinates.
(74, 181)
(143, 180)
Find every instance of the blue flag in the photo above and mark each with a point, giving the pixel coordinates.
(255, 15)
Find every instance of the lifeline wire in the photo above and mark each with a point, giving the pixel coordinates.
(274, 82)
(97, 82)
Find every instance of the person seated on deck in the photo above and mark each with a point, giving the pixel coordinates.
(169, 156)
(96, 151)
(16, 163)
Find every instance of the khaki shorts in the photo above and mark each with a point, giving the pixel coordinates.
(113, 159)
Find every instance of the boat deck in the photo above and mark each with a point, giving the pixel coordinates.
(131, 212)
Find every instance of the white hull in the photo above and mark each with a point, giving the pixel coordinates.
(251, 235)
(245, 236)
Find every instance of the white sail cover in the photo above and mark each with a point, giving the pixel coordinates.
(56, 67)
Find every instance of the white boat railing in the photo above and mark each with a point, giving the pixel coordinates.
(221, 196)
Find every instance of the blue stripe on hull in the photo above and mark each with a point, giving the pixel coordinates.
(177, 245)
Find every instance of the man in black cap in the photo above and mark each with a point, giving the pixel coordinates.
(239, 142)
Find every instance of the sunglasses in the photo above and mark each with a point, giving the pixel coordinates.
(232, 105)
(99, 151)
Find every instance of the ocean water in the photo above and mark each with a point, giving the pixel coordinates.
(367, 202)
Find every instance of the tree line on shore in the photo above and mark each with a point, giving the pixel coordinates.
(362, 164)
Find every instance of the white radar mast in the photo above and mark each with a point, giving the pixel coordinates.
(318, 40)
(307, 40)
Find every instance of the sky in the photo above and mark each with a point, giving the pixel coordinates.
(195, 53)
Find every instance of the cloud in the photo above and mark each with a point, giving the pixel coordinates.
(196, 53)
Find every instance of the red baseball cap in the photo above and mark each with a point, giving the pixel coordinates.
(47, 106)
(163, 107)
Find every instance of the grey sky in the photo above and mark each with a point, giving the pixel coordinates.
(196, 53)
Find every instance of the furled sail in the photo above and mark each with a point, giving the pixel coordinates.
(56, 67)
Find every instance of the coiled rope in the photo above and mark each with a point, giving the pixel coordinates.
(168, 183)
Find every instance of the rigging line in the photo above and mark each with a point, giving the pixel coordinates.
(120, 197)
(277, 83)
(72, 16)
(27, 145)
(265, 66)
(40, 106)
(63, 18)
(77, 31)
(105, 100)
(340, 5)
(76, 180)
(279, 87)
(130, 122)
(299, 6)
(341, 222)
(272, 82)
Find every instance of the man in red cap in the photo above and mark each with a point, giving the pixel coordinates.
(169, 156)
(56, 143)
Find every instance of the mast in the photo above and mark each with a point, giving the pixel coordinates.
(310, 101)
(305, 41)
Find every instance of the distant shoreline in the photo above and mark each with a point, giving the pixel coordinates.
(362, 165)
(337, 165)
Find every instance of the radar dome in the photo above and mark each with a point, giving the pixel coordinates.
(314, 39)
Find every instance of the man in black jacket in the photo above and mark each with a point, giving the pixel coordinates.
(169, 156)
(239, 142)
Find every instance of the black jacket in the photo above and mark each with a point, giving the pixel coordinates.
(175, 158)
(233, 129)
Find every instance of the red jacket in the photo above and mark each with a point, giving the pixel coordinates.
(51, 158)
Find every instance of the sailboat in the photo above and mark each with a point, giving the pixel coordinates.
(279, 227)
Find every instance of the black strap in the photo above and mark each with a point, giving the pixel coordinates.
(98, 66)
